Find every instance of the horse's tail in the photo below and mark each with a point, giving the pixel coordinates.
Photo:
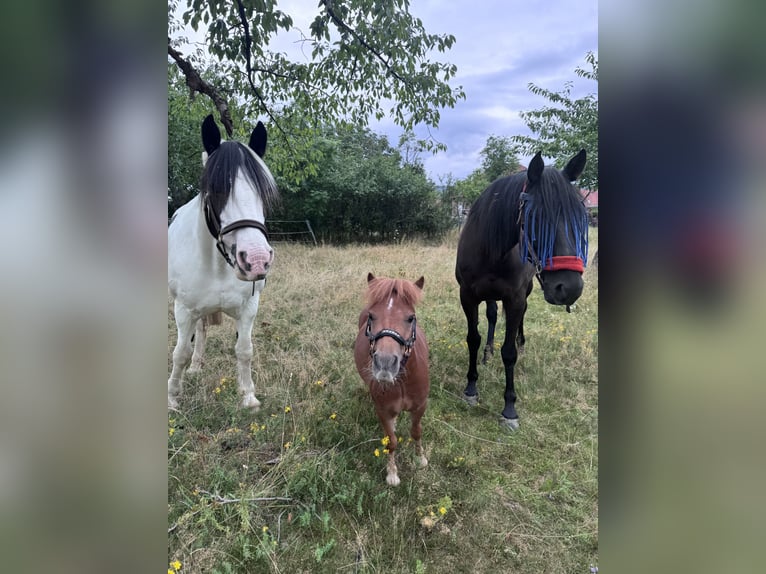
(213, 319)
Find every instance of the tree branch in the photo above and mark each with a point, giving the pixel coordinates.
(197, 84)
(341, 24)
(247, 42)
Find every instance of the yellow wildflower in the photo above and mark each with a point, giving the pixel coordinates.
(263, 427)
(386, 451)
(333, 416)
(442, 510)
(265, 529)
(287, 409)
(171, 571)
(224, 380)
(171, 430)
(217, 390)
(377, 452)
(319, 383)
(288, 445)
(385, 440)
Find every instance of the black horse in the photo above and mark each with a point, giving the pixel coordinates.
(525, 225)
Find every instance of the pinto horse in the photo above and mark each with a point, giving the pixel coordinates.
(528, 224)
(391, 354)
(219, 253)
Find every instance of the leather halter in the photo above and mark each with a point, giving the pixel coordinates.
(406, 343)
(213, 222)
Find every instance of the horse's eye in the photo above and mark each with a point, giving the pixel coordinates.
(371, 316)
(411, 318)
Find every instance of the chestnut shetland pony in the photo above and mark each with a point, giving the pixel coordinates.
(391, 354)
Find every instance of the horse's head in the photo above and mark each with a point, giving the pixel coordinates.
(237, 188)
(391, 324)
(554, 234)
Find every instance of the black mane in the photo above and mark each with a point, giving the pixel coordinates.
(221, 170)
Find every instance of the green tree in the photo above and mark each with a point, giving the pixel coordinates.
(566, 126)
(499, 157)
(364, 191)
(365, 59)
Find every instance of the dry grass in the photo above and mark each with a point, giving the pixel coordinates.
(525, 502)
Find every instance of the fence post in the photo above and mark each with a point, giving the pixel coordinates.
(312, 232)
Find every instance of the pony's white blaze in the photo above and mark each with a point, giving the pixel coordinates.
(200, 280)
(390, 303)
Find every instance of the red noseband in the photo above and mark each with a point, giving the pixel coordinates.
(565, 262)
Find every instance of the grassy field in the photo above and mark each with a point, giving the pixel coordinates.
(297, 487)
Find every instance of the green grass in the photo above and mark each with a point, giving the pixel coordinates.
(302, 491)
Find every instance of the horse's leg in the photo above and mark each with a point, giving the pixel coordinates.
(514, 311)
(489, 347)
(473, 338)
(200, 338)
(520, 340)
(181, 354)
(244, 351)
(388, 422)
(416, 432)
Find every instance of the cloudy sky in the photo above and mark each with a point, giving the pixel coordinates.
(502, 46)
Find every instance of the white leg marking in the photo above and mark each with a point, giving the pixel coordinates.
(244, 351)
(181, 354)
(392, 478)
(200, 337)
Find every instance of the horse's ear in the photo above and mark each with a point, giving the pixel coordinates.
(211, 135)
(258, 138)
(575, 167)
(535, 169)
(420, 282)
(370, 277)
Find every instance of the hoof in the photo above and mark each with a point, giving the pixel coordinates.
(392, 480)
(509, 424)
(521, 350)
(423, 462)
(250, 402)
(471, 400)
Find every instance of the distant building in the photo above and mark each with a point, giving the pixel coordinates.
(590, 200)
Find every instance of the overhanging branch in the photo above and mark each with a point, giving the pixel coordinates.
(246, 45)
(197, 84)
(341, 24)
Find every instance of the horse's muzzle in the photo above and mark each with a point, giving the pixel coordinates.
(562, 287)
(385, 367)
(254, 265)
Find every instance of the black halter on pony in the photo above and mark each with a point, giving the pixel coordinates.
(406, 343)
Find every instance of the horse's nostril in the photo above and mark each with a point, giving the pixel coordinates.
(242, 256)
